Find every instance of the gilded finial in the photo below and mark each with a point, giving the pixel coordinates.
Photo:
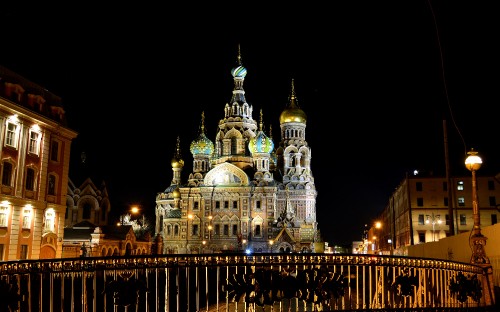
(239, 54)
(202, 127)
(178, 147)
(261, 120)
(293, 97)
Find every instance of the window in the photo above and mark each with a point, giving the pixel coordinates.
(11, 134)
(196, 205)
(257, 204)
(1, 252)
(217, 205)
(176, 230)
(7, 173)
(34, 143)
(461, 201)
(420, 202)
(54, 150)
(26, 219)
(196, 231)
(421, 220)
(445, 186)
(460, 185)
(217, 229)
(87, 208)
(421, 238)
(493, 201)
(235, 229)
(447, 218)
(30, 179)
(3, 216)
(24, 252)
(226, 204)
(463, 220)
(226, 229)
(49, 221)
(52, 185)
(257, 230)
(418, 186)
(235, 205)
(445, 201)
(169, 230)
(491, 185)
(493, 219)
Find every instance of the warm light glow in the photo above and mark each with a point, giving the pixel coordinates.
(190, 216)
(210, 217)
(378, 224)
(134, 209)
(204, 242)
(244, 241)
(473, 162)
(271, 242)
(118, 224)
(210, 227)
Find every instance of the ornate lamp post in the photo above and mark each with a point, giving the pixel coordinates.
(477, 240)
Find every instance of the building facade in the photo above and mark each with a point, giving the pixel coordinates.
(34, 158)
(244, 193)
(423, 208)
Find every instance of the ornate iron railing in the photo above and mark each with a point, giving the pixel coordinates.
(236, 282)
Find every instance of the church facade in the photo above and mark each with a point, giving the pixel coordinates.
(244, 192)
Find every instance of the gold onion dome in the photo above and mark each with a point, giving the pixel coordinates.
(176, 193)
(293, 113)
(177, 161)
(261, 143)
(202, 145)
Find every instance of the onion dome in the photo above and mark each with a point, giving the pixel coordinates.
(239, 71)
(176, 193)
(293, 113)
(261, 143)
(202, 145)
(177, 161)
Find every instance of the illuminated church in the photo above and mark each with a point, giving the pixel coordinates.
(245, 193)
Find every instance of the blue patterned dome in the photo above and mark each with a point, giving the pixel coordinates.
(261, 144)
(239, 71)
(202, 146)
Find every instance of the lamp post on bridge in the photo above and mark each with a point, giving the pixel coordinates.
(477, 240)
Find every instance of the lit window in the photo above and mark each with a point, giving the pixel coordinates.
(27, 219)
(49, 221)
(34, 143)
(460, 185)
(463, 220)
(11, 134)
(461, 201)
(3, 216)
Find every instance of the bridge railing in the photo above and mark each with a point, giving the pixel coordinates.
(238, 282)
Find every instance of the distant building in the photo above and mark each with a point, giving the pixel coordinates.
(419, 210)
(243, 192)
(34, 158)
(88, 232)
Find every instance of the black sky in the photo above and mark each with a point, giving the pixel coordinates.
(376, 80)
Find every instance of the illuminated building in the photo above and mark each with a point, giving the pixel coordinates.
(243, 192)
(34, 157)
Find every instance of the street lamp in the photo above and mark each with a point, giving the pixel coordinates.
(190, 217)
(477, 240)
(433, 219)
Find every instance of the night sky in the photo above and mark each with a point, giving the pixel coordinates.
(375, 78)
